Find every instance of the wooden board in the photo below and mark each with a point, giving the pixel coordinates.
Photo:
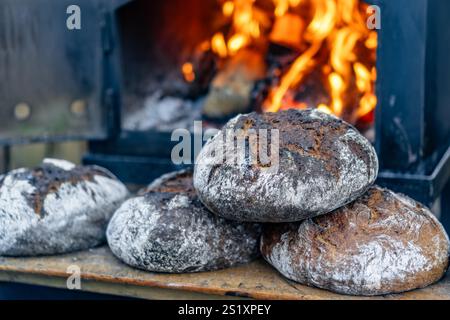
(101, 272)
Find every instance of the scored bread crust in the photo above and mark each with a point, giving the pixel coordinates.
(324, 163)
(167, 229)
(55, 208)
(380, 244)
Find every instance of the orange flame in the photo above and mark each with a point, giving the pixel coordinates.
(336, 26)
(246, 22)
(218, 45)
(228, 8)
(330, 36)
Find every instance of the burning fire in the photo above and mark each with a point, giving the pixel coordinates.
(327, 38)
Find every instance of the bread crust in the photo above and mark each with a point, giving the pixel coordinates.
(56, 208)
(324, 163)
(380, 244)
(167, 229)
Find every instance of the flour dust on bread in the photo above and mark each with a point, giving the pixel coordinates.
(167, 229)
(324, 163)
(55, 208)
(380, 244)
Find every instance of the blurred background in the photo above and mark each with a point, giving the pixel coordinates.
(29, 155)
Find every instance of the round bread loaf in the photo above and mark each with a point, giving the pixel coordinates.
(382, 243)
(323, 164)
(56, 207)
(167, 229)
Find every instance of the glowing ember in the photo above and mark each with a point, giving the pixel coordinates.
(327, 38)
(188, 72)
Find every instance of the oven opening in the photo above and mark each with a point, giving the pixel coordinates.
(210, 60)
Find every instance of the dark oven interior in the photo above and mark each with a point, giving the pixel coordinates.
(197, 54)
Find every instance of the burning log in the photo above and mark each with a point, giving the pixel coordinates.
(199, 72)
(231, 88)
(309, 94)
(288, 31)
(312, 92)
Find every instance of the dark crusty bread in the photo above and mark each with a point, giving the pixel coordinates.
(167, 229)
(382, 243)
(56, 207)
(324, 163)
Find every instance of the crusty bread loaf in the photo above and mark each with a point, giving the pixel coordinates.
(382, 243)
(324, 163)
(167, 229)
(56, 207)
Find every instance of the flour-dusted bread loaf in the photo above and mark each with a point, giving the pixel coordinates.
(324, 163)
(167, 229)
(382, 243)
(56, 207)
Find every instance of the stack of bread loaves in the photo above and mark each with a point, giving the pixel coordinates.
(298, 189)
(326, 225)
(335, 230)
